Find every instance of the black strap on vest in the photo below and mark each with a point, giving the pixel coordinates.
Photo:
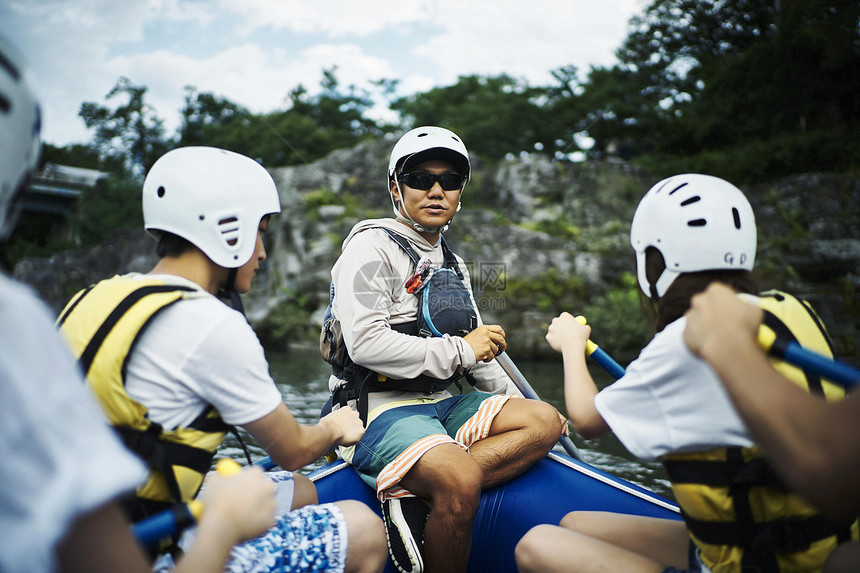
(69, 310)
(89, 353)
(158, 454)
(447, 253)
(760, 541)
(784, 335)
(360, 381)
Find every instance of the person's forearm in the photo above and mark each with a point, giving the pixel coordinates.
(211, 548)
(579, 393)
(802, 434)
(290, 444)
(318, 440)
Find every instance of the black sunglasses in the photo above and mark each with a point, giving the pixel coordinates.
(425, 181)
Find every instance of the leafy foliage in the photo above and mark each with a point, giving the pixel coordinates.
(106, 209)
(309, 128)
(496, 116)
(622, 319)
(131, 133)
(743, 89)
(550, 291)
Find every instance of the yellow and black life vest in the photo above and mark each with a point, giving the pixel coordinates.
(103, 323)
(738, 510)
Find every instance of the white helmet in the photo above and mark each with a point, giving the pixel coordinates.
(423, 144)
(698, 223)
(20, 126)
(213, 198)
(429, 142)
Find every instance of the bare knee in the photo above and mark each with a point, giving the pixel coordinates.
(530, 550)
(459, 493)
(580, 521)
(305, 492)
(544, 419)
(367, 550)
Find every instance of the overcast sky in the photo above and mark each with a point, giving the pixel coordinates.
(253, 52)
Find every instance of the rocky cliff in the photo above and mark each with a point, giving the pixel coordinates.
(540, 237)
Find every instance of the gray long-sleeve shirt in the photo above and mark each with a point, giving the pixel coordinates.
(369, 284)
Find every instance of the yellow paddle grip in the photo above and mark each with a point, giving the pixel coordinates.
(590, 347)
(227, 467)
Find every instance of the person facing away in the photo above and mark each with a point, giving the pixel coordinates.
(427, 453)
(175, 368)
(688, 232)
(64, 469)
(813, 443)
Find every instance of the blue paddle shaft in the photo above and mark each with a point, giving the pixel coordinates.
(607, 362)
(265, 463)
(150, 531)
(838, 372)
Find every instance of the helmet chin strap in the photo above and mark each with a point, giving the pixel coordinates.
(408, 218)
(228, 291)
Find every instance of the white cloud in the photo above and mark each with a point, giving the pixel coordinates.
(334, 18)
(526, 42)
(254, 52)
(256, 78)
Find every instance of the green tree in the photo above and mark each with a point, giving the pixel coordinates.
(494, 115)
(746, 89)
(314, 125)
(665, 62)
(76, 154)
(309, 128)
(131, 132)
(208, 119)
(106, 209)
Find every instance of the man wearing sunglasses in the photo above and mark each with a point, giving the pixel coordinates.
(427, 452)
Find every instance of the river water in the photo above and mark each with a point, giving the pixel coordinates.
(302, 376)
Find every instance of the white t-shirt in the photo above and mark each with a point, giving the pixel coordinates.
(198, 352)
(670, 401)
(60, 458)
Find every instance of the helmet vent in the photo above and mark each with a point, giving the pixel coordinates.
(690, 201)
(737, 217)
(697, 223)
(678, 188)
(229, 230)
(160, 191)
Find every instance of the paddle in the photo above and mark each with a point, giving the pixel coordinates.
(793, 353)
(520, 382)
(601, 357)
(150, 531)
(265, 463)
(787, 350)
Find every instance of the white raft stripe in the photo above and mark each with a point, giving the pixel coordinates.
(565, 462)
(612, 482)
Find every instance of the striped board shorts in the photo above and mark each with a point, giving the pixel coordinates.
(398, 436)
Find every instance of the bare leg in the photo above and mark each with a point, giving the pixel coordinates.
(664, 541)
(448, 477)
(552, 549)
(367, 550)
(521, 433)
(305, 492)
